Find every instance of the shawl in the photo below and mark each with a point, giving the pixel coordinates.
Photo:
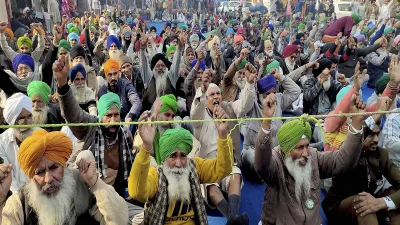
(22, 85)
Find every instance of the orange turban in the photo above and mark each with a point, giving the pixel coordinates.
(56, 146)
(10, 33)
(238, 38)
(109, 65)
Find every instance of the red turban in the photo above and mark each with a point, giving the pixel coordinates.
(289, 50)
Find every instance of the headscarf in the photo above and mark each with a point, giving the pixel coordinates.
(382, 83)
(23, 59)
(14, 106)
(77, 50)
(170, 49)
(292, 132)
(266, 83)
(272, 65)
(106, 102)
(74, 30)
(73, 36)
(74, 71)
(356, 18)
(56, 146)
(65, 45)
(289, 50)
(24, 41)
(113, 39)
(169, 102)
(172, 139)
(202, 65)
(39, 88)
(9, 32)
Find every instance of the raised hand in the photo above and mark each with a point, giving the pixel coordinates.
(383, 103)
(357, 106)
(60, 70)
(57, 34)
(244, 53)
(394, 71)
(222, 127)
(182, 39)
(146, 131)
(250, 73)
(3, 26)
(5, 180)
(269, 108)
(358, 78)
(342, 79)
(87, 169)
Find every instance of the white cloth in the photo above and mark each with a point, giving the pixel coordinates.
(14, 106)
(22, 85)
(53, 7)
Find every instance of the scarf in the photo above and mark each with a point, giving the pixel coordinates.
(156, 208)
(22, 85)
(124, 148)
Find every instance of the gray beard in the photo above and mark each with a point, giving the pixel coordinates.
(178, 182)
(301, 176)
(161, 82)
(54, 209)
(241, 83)
(40, 117)
(79, 93)
(22, 133)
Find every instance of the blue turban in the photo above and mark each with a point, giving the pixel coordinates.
(204, 30)
(230, 31)
(129, 20)
(72, 36)
(266, 83)
(132, 25)
(113, 39)
(75, 69)
(168, 24)
(201, 66)
(271, 27)
(23, 59)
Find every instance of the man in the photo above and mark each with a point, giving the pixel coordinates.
(290, 54)
(111, 145)
(43, 111)
(343, 25)
(131, 104)
(17, 111)
(363, 195)
(55, 194)
(83, 94)
(131, 73)
(176, 184)
(293, 170)
(112, 49)
(73, 39)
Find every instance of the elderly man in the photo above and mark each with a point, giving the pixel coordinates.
(73, 39)
(77, 55)
(43, 111)
(17, 111)
(202, 107)
(293, 170)
(131, 73)
(55, 194)
(131, 104)
(172, 191)
(112, 49)
(110, 144)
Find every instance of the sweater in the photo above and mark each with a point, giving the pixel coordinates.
(344, 25)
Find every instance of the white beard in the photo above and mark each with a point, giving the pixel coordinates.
(40, 117)
(327, 85)
(22, 133)
(301, 176)
(213, 55)
(270, 53)
(240, 82)
(53, 209)
(178, 183)
(290, 65)
(114, 54)
(79, 92)
(161, 82)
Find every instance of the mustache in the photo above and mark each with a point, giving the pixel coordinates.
(54, 184)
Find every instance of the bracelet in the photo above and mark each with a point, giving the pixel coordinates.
(94, 183)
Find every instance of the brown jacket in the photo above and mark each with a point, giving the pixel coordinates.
(280, 206)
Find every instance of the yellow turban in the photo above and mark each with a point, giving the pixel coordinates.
(10, 33)
(109, 65)
(56, 146)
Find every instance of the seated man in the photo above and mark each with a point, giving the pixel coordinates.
(55, 194)
(293, 171)
(172, 191)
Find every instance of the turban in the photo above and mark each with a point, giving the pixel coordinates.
(157, 57)
(120, 21)
(342, 93)
(299, 36)
(14, 106)
(82, 38)
(325, 19)
(102, 19)
(56, 146)
(153, 28)
(169, 102)
(124, 59)
(23, 59)
(272, 65)
(267, 43)
(381, 83)
(65, 45)
(109, 65)
(77, 50)
(112, 26)
(202, 65)
(356, 18)
(170, 49)
(241, 65)
(323, 64)
(10, 33)
(172, 139)
(214, 40)
(184, 27)
(286, 24)
(24, 41)
(297, 42)
(266, 83)
(301, 26)
(74, 30)
(360, 37)
(74, 71)
(77, 20)
(96, 20)
(105, 27)
(240, 31)
(388, 30)
(204, 30)
(70, 25)
(283, 34)
(127, 33)
(73, 36)
(194, 37)
(112, 39)
(237, 39)
(106, 102)
(230, 31)
(290, 50)
(132, 25)
(129, 20)
(168, 24)
(291, 133)
(39, 88)
(271, 27)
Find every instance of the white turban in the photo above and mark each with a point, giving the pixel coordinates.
(14, 106)
(102, 19)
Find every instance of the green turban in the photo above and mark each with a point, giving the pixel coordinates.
(286, 24)
(92, 29)
(65, 45)
(74, 29)
(254, 21)
(39, 88)
(356, 18)
(24, 41)
(169, 102)
(387, 31)
(382, 83)
(106, 102)
(172, 139)
(70, 25)
(184, 27)
(365, 30)
(325, 20)
(302, 26)
(242, 65)
(292, 132)
(171, 48)
(273, 65)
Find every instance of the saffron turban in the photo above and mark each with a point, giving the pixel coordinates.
(266, 83)
(237, 39)
(170, 49)
(56, 146)
(74, 71)
(9, 32)
(106, 102)
(39, 88)
(14, 106)
(272, 65)
(24, 41)
(112, 39)
(291, 133)
(172, 139)
(73, 36)
(96, 20)
(65, 45)
(202, 65)
(109, 65)
(169, 102)
(23, 59)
